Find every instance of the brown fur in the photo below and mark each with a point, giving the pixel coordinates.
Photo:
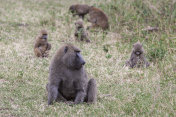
(42, 47)
(79, 9)
(68, 79)
(98, 18)
(137, 58)
(80, 32)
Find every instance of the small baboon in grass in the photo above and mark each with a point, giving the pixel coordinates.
(42, 47)
(137, 58)
(98, 18)
(80, 32)
(79, 9)
(68, 81)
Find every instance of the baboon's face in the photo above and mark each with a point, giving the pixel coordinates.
(44, 36)
(73, 59)
(72, 9)
(138, 49)
(138, 53)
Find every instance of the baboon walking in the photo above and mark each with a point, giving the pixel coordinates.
(68, 80)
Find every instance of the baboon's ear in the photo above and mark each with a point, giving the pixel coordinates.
(66, 49)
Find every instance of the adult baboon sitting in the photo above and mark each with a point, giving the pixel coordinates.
(68, 80)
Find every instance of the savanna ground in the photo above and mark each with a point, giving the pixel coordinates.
(121, 91)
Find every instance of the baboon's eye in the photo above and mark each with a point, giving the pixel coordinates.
(78, 54)
(77, 51)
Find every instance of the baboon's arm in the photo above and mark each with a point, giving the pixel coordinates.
(37, 52)
(48, 46)
(80, 93)
(146, 62)
(80, 97)
(37, 44)
(53, 92)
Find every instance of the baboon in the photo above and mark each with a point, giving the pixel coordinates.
(68, 80)
(98, 18)
(80, 32)
(137, 58)
(42, 47)
(79, 9)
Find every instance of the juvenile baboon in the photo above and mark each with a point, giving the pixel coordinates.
(98, 18)
(137, 58)
(80, 32)
(79, 9)
(68, 80)
(42, 47)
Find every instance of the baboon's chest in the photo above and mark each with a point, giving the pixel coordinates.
(139, 62)
(73, 81)
(68, 89)
(68, 84)
(43, 47)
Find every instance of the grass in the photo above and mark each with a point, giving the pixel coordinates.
(132, 92)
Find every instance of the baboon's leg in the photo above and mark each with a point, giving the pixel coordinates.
(93, 26)
(92, 91)
(38, 53)
(59, 96)
(46, 54)
(81, 16)
(94, 23)
(146, 62)
(92, 20)
(52, 93)
(133, 62)
(79, 97)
